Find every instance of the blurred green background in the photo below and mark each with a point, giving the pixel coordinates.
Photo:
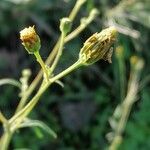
(80, 111)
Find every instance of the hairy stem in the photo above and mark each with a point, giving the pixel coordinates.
(62, 39)
(41, 62)
(5, 141)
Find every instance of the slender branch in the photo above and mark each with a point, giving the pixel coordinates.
(84, 23)
(128, 102)
(5, 140)
(20, 116)
(39, 59)
(76, 9)
(62, 39)
(68, 70)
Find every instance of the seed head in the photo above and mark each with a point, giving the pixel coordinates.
(30, 39)
(98, 46)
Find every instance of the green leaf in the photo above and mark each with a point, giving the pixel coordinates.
(10, 81)
(40, 124)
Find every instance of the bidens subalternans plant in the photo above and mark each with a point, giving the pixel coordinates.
(97, 47)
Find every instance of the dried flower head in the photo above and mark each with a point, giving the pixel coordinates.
(30, 40)
(98, 46)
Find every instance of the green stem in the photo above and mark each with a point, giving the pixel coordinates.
(68, 70)
(76, 8)
(41, 62)
(5, 141)
(82, 26)
(6, 137)
(122, 76)
(27, 109)
(62, 38)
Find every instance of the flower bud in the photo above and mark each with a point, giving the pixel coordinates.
(30, 40)
(98, 46)
(65, 25)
